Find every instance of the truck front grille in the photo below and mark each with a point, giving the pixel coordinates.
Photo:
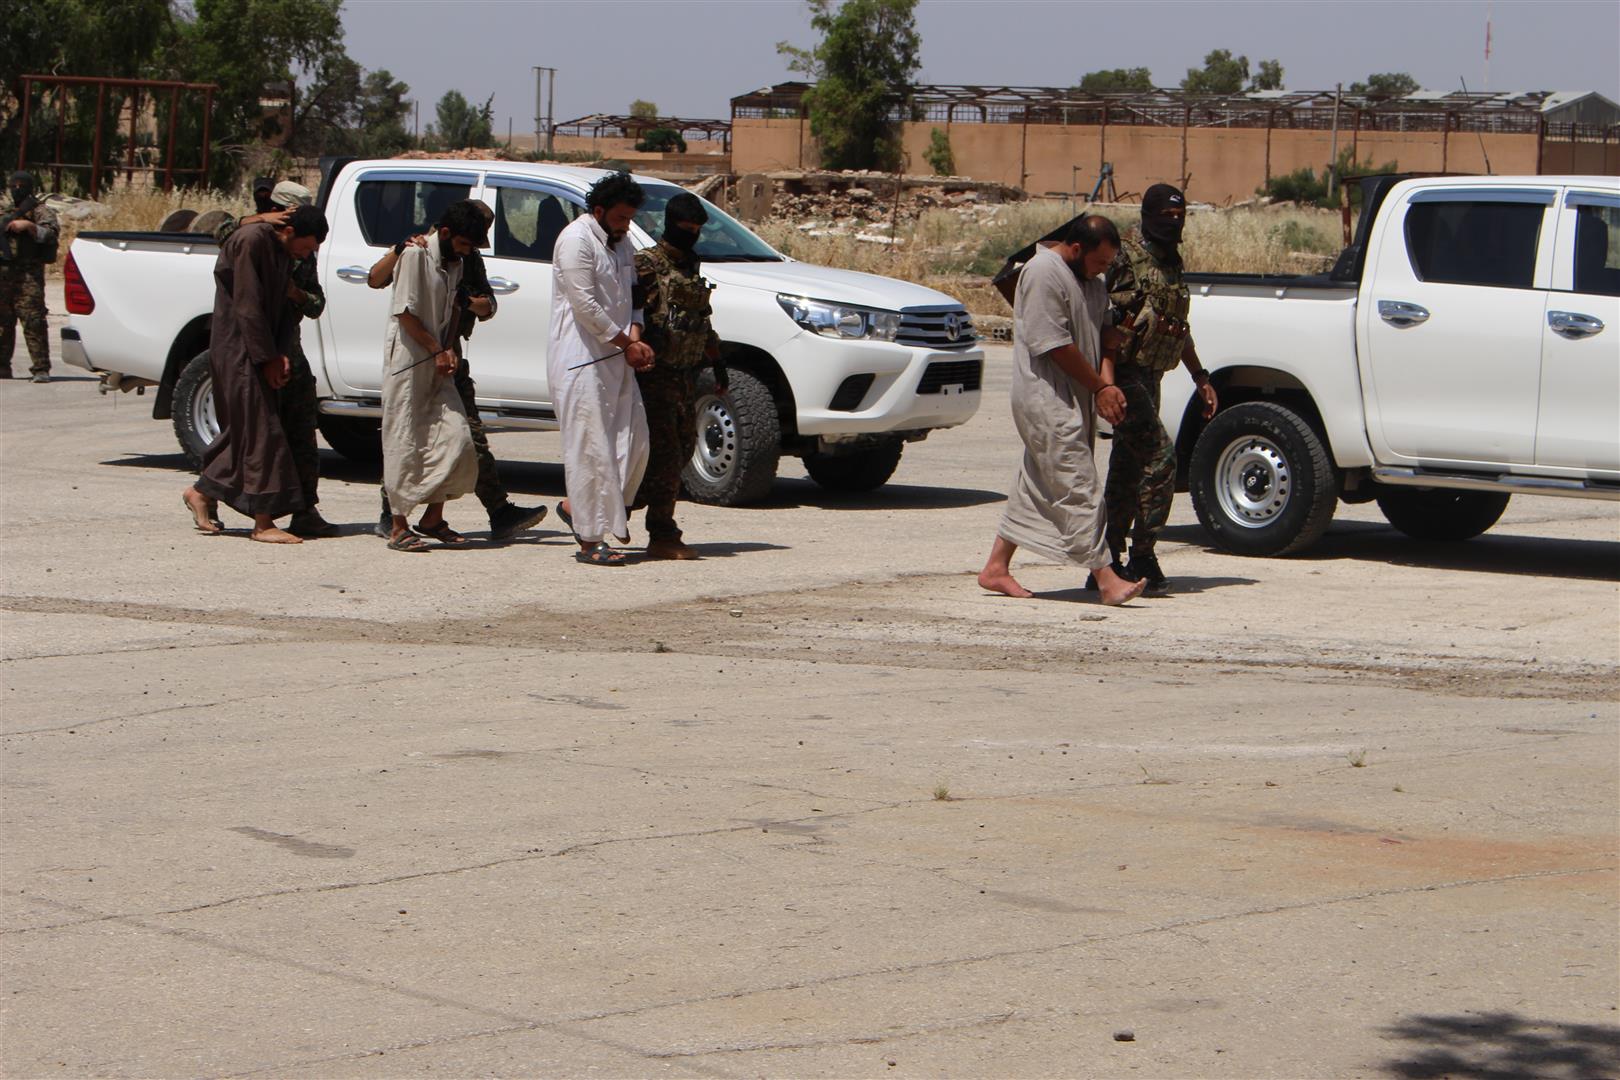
(936, 329)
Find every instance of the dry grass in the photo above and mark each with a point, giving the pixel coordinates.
(958, 254)
(140, 208)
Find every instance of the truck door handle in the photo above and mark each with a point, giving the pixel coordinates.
(356, 274)
(500, 286)
(1400, 313)
(1572, 324)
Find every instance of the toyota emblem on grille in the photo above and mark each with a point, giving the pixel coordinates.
(953, 326)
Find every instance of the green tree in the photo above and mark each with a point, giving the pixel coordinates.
(662, 140)
(863, 68)
(1101, 82)
(643, 110)
(1224, 73)
(1388, 84)
(460, 124)
(939, 155)
(1269, 77)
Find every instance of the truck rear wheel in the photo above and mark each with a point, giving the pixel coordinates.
(358, 438)
(196, 420)
(1261, 481)
(1436, 514)
(739, 441)
(862, 470)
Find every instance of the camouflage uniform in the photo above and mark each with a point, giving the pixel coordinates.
(674, 300)
(22, 293)
(297, 401)
(1145, 286)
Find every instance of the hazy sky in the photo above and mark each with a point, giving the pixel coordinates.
(692, 56)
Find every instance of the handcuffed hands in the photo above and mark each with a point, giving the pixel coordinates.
(639, 355)
(1111, 404)
(444, 362)
(277, 372)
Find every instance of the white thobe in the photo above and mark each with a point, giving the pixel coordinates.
(1055, 508)
(604, 427)
(428, 453)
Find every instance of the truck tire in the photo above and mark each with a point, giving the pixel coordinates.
(863, 470)
(196, 420)
(739, 440)
(1436, 514)
(358, 438)
(1261, 481)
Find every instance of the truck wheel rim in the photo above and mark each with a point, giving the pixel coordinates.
(1253, 482)
(206, 414)
(716, 454)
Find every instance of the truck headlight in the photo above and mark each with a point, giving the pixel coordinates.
(838, 320)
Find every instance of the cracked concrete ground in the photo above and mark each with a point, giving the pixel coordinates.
(814, 806)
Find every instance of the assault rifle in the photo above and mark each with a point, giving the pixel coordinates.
(21, 210)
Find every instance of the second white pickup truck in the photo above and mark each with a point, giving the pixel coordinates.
(1464, 348)
(837, 367)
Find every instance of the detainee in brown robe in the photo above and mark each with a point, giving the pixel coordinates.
(1061, 379)
(250, 467)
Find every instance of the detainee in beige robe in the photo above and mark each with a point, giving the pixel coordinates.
(1055, 507)
(428, 453)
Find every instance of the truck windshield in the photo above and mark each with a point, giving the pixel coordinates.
(724, 238)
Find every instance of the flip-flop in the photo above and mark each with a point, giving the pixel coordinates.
(443, 533)
(599, 554)
(407, 541)
(567, 519)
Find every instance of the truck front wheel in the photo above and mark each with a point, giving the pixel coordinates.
(862, 470)
(196, 420)
(1261, 480)
(1433, 514)
(739, 440)
(358, 438)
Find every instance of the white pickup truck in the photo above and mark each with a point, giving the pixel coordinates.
(837, 367)
(1465, 347)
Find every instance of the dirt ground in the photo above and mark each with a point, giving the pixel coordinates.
(812, 806)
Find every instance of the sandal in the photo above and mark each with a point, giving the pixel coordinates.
(568, 520)
(599, 554)
(407, 541)
(443, 533)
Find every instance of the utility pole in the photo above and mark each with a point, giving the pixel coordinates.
(1333, 166)
(544, 124)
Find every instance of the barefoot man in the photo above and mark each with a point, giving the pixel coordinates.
(251, 466)
(1060, 382)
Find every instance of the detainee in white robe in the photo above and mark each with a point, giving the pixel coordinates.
(604, 426)
(428, 453)
(1055, 508)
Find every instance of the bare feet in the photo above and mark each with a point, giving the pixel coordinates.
(274, 535)
(1002, 581)
(204, 512)
(1114, 590)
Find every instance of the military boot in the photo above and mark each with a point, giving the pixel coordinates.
(1145, 567)
(508, 520)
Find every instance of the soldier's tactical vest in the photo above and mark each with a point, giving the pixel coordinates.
(1160, 325)
(678, 328)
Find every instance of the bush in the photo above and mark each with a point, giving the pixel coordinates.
(939, 154)
(662, 141)
(1303, 187)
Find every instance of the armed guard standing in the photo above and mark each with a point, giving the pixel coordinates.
(1151, 304)
(674, 300)
(28, 235)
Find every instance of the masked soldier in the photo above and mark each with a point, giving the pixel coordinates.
(27, 246)
(674, 300)
(1150, 303)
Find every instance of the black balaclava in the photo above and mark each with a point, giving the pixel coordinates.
(1157, 225)
(21, 185)
(262, 187)
(684, 208)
